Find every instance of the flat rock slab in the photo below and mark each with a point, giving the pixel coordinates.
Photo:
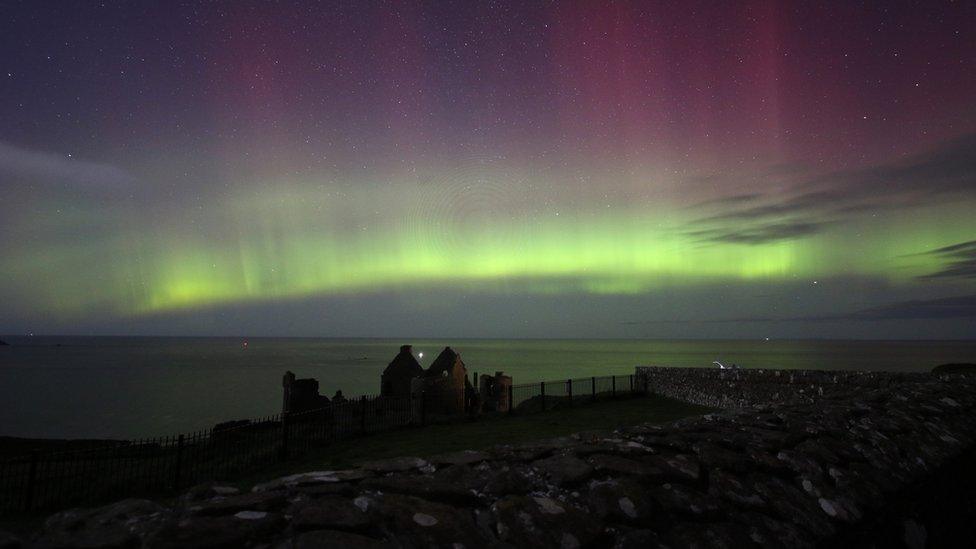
(426, 486)
(539, 521)
(564, 470)
(424, 523)
(395, 465)
(254, 501)
(464, 457)
(313, 478)
(330, 513)
(217, 532)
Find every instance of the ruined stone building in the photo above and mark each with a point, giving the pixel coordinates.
(445, 383)
(493, 391)
(301, 395)
(397, 378)
(444, 387)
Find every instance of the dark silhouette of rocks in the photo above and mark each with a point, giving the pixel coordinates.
(955, 368)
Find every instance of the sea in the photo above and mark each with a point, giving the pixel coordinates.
(140, 387)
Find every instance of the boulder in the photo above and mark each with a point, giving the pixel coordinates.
(253, 501)
(395, 465)
(607, 464)
(955, 368)
(330, 513)
(426, 487)
(539, 521)
(121, 524)
(623, 501)
(421, 523)
(465, 457)
(243, 529)
(563, 470)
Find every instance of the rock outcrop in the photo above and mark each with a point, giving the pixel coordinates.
(955, 368)
(882, 463)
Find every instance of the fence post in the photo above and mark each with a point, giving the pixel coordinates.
(283, 451)
(511, 399)
(31, 481)
(593, 389)
(362, 417)
(542, 393)
(423, 407)
(179, 463)
(569, 390)
(613, 386)
(631, 384)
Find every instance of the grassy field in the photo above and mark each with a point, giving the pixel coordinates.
(476, 435)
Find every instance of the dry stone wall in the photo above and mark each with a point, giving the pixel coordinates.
(741, 388)
(881, 462)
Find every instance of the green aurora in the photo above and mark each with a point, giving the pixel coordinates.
(505, 169)
(312, 240)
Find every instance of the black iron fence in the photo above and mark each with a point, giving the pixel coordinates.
(155, 466)
(545, 395)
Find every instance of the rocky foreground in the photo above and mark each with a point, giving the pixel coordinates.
(886, 466)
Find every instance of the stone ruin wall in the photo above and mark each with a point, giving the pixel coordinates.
(717, 388)
(873, 459)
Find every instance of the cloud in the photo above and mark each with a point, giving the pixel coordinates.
(946, 307)
(735, 199)
(950, 168)
(47, 168)
(922, 309)
(804, 203)
(960, 258)
(936, 175)
(761, 234)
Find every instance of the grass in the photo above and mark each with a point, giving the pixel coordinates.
(476, 435)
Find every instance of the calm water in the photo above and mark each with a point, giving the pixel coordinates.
(139, 387)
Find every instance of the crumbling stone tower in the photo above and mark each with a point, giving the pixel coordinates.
(494, 392)
(301, 395)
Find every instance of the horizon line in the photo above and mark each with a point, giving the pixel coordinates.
(475, 338)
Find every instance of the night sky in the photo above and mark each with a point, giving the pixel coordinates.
(488, 169)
